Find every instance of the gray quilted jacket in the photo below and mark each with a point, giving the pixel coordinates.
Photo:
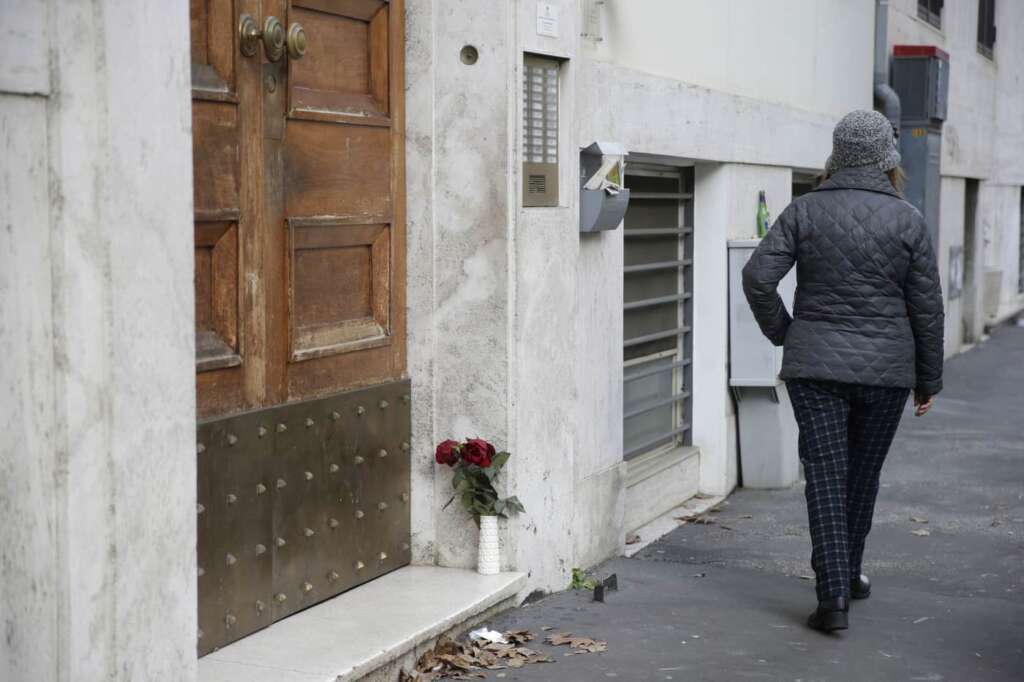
(868, 305)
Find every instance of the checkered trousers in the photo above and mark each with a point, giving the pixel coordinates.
(845, 434)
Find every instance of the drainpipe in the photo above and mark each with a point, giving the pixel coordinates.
(886, 99)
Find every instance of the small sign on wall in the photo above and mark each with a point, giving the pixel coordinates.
(547, 19)
(956, 272)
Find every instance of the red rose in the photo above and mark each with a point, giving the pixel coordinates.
(478, 451)
(447, 453)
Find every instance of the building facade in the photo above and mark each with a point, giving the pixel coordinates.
(600, 360)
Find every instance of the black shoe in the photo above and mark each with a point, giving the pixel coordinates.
(830, 615)
(860, 587)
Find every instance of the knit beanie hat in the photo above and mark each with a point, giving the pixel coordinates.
(863, 139)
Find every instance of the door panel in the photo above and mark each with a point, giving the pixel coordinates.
(343, 185)
(303, 443)
(337, 169)
(225, 147)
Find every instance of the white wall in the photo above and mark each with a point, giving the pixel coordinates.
(951, 234)
(804, 53)
(97, 463)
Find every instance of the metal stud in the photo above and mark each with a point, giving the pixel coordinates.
(405, 497)
(332, 576)
(359, 513)
(230, 559)
(360, 410)
(281, 428)
(229, 620)
(309, 422)
(232, 498)
(260, 488)
(309, 532)
(281, 597)
(232, 439)
(359, 459)
(382, 453)
(383, 556)
(383, 404)
(382, 506)
(333, 523)
(201, 633)
(260, 606)
(201, 571)
(280, 542)
(200, 508)
(281, 483)
(307, 587)
(405, 446)
(406, 547)
(200, 448)
(262, 431)
(360, 565)
(260, 549)
(309, 475)
(335, 416)
(333, 468)
(406, 398)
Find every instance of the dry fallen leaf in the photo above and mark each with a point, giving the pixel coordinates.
(580, 644)
(450, 659)
(632, 539)
(918, 519)
(921, 532)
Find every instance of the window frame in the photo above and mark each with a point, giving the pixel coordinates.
(930, 11)
(987, 28)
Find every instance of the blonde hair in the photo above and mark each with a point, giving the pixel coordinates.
(898, 178)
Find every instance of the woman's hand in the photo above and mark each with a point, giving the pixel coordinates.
(922, 403)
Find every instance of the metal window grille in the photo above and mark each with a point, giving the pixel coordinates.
(986, 27)
(930, 11)
(658, 310)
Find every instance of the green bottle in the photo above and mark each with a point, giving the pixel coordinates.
(764, 221)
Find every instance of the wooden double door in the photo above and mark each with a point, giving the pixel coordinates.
(297, 128)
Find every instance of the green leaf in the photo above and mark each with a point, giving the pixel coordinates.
(499, 460)
(582, 581)
(514, 505)
(459, 477)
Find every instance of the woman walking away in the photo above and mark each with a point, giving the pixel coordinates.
(866, 328)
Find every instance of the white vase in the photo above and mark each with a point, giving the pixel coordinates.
(488, 558)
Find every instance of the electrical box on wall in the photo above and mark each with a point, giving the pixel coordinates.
(920, 76)
(540, 131)
(603, 199)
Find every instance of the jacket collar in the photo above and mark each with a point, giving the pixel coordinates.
(866, 178)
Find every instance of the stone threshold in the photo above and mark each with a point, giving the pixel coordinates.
(364, 629)
(659, 481)
(668, 522)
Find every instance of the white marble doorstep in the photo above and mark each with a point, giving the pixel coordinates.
(358, 631)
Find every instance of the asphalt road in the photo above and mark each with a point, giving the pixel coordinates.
(726, 601)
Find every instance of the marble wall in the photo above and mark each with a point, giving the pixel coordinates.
(97, 462)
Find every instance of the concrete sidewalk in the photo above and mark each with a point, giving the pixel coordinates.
(726, 601)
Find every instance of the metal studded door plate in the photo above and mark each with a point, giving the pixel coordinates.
(298, 503)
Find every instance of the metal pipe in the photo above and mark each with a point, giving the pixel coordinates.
(886, 99)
